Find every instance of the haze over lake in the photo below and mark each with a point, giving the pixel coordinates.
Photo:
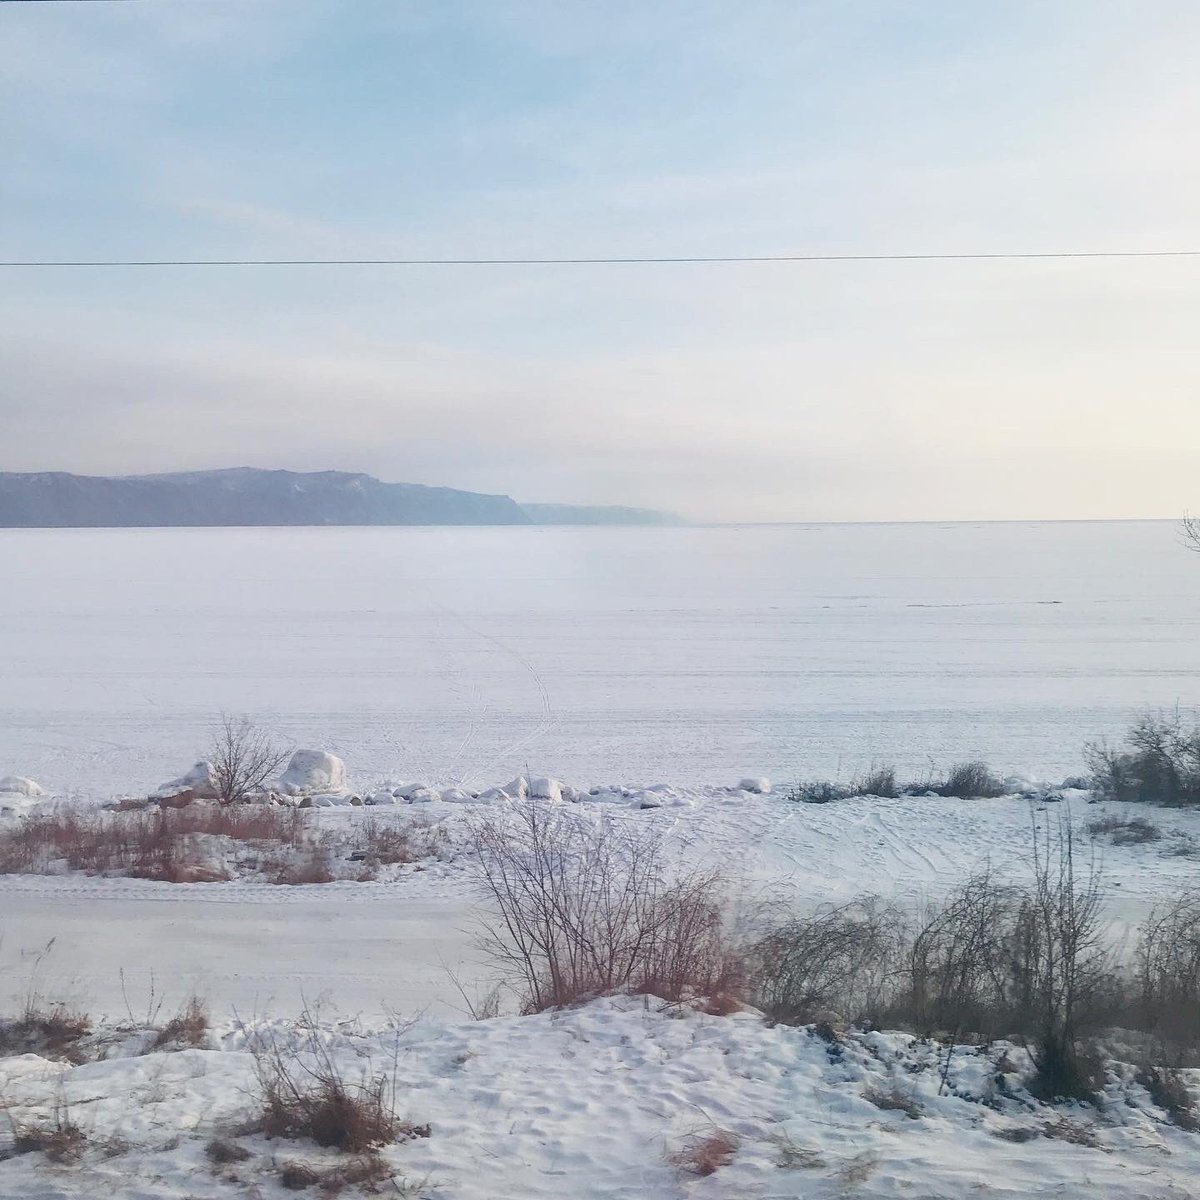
(625, 655)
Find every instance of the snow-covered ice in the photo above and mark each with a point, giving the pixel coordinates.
(464, 656)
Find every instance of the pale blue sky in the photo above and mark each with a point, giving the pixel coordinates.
(297, 128)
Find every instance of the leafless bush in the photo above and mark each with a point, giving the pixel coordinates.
(1058, 964)
(956, 961)
(820, 791)
(1125, 831)
(705, 1154)
(1161, 764)
(879, 781)
(583, 910)
(243, 759)
(843, 959)
(971, 781)
(1168, 1090)
(304, 1094)
(1168, 975)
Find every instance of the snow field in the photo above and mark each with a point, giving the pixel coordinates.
(595, 1102)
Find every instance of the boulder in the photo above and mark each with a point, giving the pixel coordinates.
(518, 789)
(454, 795)
(546, 789)
(201, 781)
(313, 771)
(381, 797)
(411, 789)
(18, 785)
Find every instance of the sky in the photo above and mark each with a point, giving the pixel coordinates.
(748, 392)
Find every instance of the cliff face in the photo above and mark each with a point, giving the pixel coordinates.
(241, 496)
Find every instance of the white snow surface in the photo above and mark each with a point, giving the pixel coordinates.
(594, 1103)
(464, 656)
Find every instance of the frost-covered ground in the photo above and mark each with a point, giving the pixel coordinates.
(597, 1103)
(640, 654)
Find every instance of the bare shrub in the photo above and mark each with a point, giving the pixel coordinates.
(243, 759)
(705, 1154)
(296, 1176)
(224, 1152)
(1167, 975)
(1160, 764)
(820, 791)
(957, 960)
(304, 1094)
(842, 959)
(879, 781)
(1125, 831)
(51, 1030)
(1168, 1090)
(382, 842)
(1058, 965)
(187, 1027)
(310, 867)
(583, 910)
(971, 781)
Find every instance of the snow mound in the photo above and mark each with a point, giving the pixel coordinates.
(18, 785)
(546, 789)
(314, 771)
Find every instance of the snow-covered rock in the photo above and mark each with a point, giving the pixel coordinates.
(421, 795)
(518, 789)
(546, 789)
(381, 797)
(201, 781)
(455, 795)
(18, 785)
(757, 787)
(411, 789)
(314, 771)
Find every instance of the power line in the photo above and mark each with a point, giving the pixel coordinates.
(632, 260)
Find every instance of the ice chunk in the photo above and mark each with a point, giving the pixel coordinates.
(314, 771)
(18, 785)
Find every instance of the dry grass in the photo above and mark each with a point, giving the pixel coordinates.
(307, 1096)
(705, 1154)
(59, 1138)
(52, 1031)
(310, 867)
(186, 1028)
(156, 843)
(893, 1099)
(1125, 831)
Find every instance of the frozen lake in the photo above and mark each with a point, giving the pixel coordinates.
(632, 655)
